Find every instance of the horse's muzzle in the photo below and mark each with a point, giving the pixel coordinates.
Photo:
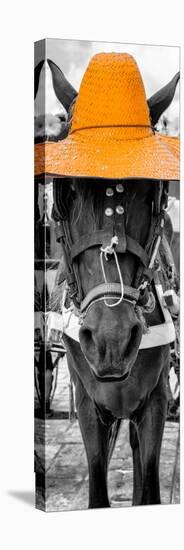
(111, 350)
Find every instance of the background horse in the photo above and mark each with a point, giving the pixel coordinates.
(54, 96)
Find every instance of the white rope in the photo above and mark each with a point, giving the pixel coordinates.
(109, 249)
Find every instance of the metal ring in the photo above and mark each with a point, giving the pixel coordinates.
(119, 209)
(109, 192)
(109, 211)
(119, 188)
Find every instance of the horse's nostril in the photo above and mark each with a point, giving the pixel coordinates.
(86, 333)
(62, 118)
(87, 341)
(134, 337)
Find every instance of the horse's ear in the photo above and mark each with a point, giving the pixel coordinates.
(159, 102)
(63, 89)
(37, 72)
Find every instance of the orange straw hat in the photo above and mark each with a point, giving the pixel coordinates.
(111, 134)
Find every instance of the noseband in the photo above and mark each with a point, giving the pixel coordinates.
(112, 240)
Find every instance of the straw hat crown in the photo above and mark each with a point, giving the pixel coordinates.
(112, 95)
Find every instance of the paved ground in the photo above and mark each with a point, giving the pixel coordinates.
(65, 461)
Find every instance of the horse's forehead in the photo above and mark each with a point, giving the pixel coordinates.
(94, 188)
(90, 204)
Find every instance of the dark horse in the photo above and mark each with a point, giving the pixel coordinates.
(116, 251)
(113, 379)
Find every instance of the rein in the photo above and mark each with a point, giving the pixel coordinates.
(113, 240)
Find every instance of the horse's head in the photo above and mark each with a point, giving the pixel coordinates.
(54, 96)
(111, 331)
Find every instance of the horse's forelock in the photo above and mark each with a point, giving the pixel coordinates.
(86, 204)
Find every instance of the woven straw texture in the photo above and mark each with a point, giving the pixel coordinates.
(111, 135)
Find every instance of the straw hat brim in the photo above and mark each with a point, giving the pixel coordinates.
(81, 155)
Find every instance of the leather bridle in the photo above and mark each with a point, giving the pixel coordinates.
(111, 240)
